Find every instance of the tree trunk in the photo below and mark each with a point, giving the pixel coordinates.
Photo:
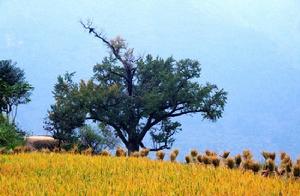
(59, 144)
(133, 146)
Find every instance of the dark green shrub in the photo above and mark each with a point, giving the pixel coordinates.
(10, 136)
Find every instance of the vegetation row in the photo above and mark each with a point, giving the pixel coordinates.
(244, 161)
(78, 174)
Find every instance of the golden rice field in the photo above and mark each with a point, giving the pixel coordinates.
(70, 174)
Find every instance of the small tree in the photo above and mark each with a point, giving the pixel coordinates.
(14, 89)
(67, 113)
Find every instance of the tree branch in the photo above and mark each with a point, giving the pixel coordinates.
(118, 74)
(91, 30)
(150, 124)
(155, 149)
(120, 134)
(127, 65)
(117, 129)
(186, 112)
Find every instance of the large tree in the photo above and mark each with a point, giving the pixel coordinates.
(135, 96)
(140, 95)
(14, 89)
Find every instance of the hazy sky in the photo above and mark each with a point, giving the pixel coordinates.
(249, 47)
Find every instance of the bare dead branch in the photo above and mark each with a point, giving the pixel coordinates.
(88, 26)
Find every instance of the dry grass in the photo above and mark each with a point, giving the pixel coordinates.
(88, 151)
(176, 151)
(120, 152)
(215, 161)
(247, 155)
(188, 159)
(238, 160)
(225, 154)
(230, 163)
(160, 155)
(144, 152)
(269, 155)
(135, 154)
(75, 174)
(174, 155)
(194, 153)
(105, 153)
